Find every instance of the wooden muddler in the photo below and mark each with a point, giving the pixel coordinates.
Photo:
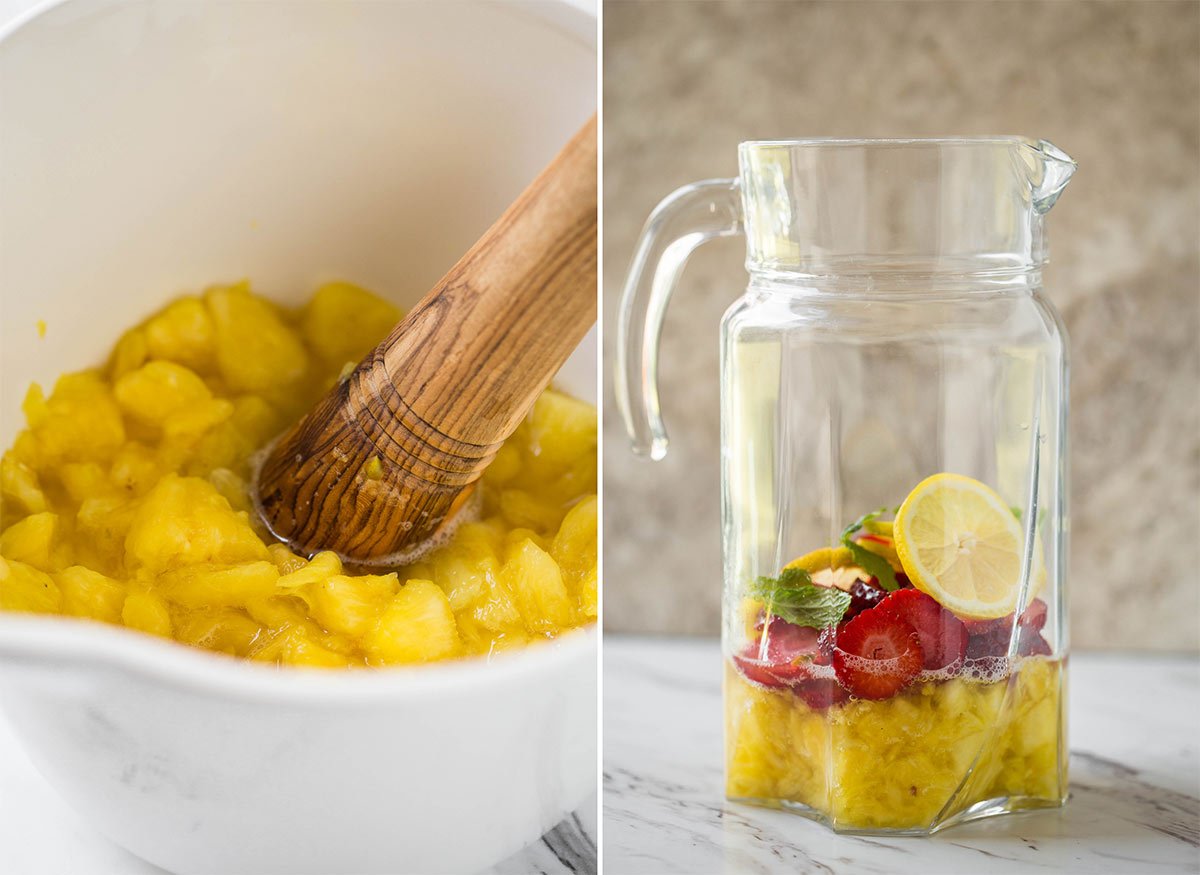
(390, 453)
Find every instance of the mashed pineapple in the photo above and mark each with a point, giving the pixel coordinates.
(896, 763)
(125, 500)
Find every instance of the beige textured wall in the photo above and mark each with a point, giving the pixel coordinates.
(1115, 84)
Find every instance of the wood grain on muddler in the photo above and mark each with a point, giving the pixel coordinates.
(394, 450)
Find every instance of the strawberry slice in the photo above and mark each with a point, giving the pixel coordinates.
(991, 644)
(990, 637)
(1031, 643)
(790, 649)
(877, 654)
(1034, 616)
(943, 636)
(820, 693)
(982, 628)
(881, 540)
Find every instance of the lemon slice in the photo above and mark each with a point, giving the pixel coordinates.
(960, 543)
(826, 557)
(830, 566)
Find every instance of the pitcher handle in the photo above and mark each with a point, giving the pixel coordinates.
(685, 219)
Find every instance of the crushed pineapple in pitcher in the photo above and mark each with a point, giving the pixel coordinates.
(898, 682)
(126, 500)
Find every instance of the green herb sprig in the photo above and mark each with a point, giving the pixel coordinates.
(872, 563)
(794, 597)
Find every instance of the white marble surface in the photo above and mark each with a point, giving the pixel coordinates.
(41, 835)
(1135, 781)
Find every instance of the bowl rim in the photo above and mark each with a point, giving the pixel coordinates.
(79, 646)
(580, 11)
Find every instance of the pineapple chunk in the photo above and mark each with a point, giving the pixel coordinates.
(25, 588)
(505, 466)
(523, 510)
(464, 575)
(293, 646)
(185, 521)
(351, 605)
(482, 539)
(183, 333)
(280, 612)
(343, 322)
(416, 626)
(255, 349)
(32, 541)
(233, 489)
(88, 593)
(286, 561)
(129, 354)
(587, 596)
(561, 429)
(537, 587)
(322, 566)
(496, 611)
(197, 586)
(147, 612)
(83, 480)
(574, 547)
(135, 469)
(102, 524)
(226, 631)
(165, 395)
(34, 405)
(81, 422)
(19, 484)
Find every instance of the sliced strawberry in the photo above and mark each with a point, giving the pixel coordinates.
(985, 646)
(1031, 643)
(1034, 616)
(756, 670)
(877, 654)
(988, 627)
(825, 644)
(943, 636)
(790, 650)
(882, 540)
(820, 693)
(991, 637)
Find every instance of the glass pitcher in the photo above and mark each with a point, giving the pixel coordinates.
(893, 452)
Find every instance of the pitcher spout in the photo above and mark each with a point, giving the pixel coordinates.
(1052, 169)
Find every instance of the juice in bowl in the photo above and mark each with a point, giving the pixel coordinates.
(127, 499)
(893, 473)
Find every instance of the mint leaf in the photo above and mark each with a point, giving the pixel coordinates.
(857, 526)
(795, 598)
(872, 563)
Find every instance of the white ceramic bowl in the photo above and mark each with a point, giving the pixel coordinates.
(152, 148)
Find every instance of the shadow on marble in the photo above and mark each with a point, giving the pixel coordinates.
(1108, 800)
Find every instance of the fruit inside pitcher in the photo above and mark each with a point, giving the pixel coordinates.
(906, 679)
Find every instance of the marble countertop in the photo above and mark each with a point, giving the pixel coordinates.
(41, 835)
(1134, 729)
